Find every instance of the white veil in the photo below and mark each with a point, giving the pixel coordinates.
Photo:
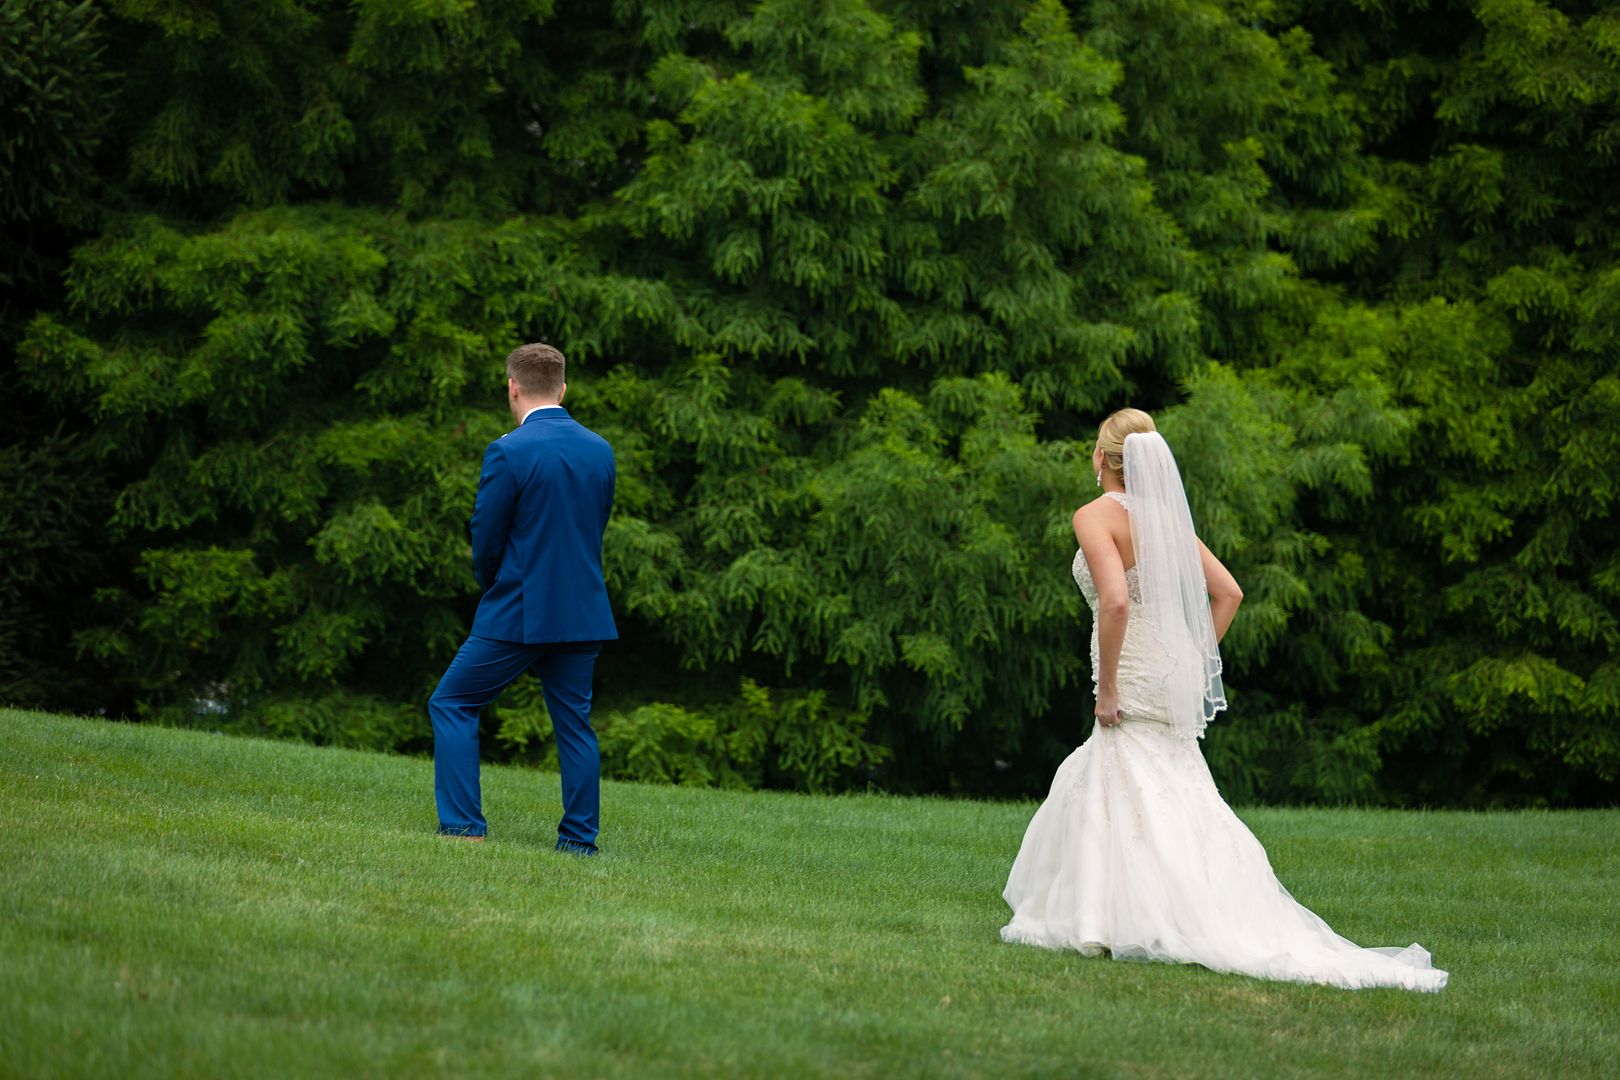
(1175, 597)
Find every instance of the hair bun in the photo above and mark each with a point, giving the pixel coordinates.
(1121, 425)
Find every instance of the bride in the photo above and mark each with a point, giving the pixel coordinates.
(1134, 853)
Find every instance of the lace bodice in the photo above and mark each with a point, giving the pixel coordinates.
(1141, 661)
(1088, 586)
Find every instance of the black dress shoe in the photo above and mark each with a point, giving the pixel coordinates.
(575, 849)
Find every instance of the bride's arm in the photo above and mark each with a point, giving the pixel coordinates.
(1224, 594)
(1113, 608)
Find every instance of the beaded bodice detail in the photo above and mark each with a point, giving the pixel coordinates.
(1088, 586)
(1141, 661)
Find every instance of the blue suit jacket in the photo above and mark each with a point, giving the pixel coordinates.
(543, 503)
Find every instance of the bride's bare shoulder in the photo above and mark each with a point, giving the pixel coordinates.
(1101, 506)
(1101, 516)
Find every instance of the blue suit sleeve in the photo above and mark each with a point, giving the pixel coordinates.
(492, 515)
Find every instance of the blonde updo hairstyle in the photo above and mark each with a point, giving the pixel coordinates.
(1111, 434)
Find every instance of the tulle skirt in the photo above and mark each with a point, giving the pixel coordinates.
(1134, 853)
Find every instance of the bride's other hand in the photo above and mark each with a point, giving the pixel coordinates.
(1108, 708)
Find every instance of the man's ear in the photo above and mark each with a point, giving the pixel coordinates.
(562, 393)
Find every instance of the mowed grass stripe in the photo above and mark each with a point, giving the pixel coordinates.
(178, 903)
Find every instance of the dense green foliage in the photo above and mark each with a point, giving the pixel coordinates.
(848, 285)
(54, 97)
(225, 907)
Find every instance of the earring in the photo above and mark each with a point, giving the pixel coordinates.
(1099, 478)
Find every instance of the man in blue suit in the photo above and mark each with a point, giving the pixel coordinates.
(543, 503)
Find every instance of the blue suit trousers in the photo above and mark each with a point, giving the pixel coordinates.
(483, 667)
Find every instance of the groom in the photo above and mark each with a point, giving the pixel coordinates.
(543, 502)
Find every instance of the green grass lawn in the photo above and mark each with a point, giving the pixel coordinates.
(177, 903)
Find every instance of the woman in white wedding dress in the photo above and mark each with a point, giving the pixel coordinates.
(1134, 853)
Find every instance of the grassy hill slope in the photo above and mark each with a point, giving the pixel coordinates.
(177, 903)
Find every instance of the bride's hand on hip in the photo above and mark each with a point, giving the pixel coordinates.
(1108, 708)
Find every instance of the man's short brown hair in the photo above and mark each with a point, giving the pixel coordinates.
(538, 369)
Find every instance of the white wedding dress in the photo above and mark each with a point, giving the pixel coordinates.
(1135, 853)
